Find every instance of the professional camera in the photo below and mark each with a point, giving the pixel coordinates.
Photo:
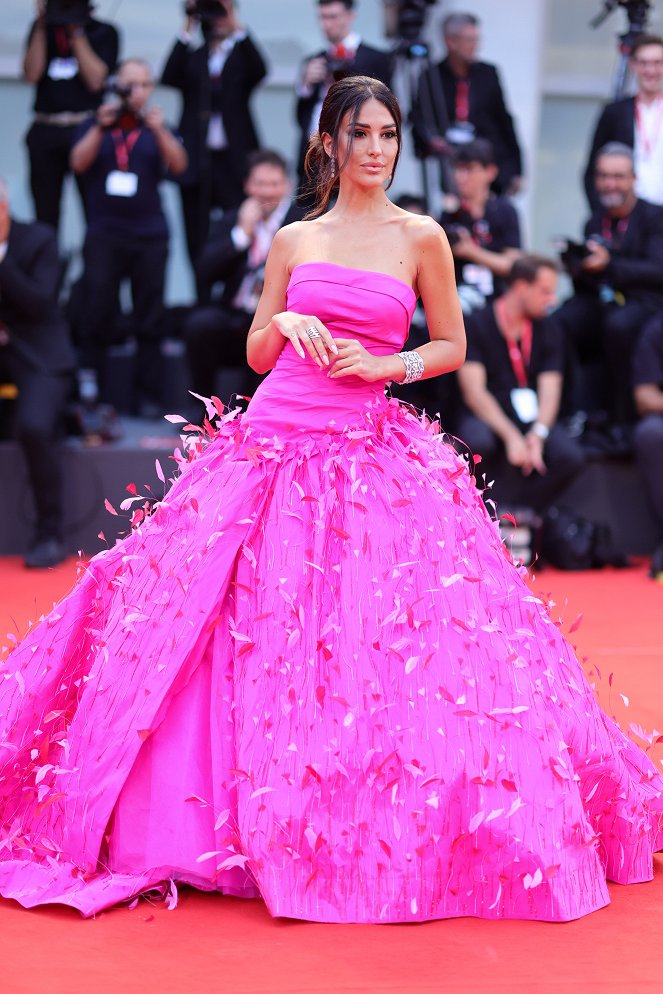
(63, 12)
(205, 11)
(636, 11)
(572, 253)
(126, 118)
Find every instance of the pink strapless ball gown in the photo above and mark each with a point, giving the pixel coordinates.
(313, 676)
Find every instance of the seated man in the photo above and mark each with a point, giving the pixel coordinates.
(648, 438)
(511, 383)
(122, 155)
(36, 355)
(483, 230)
(618, 282)
(235, 256)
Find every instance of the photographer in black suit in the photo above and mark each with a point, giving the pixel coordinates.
(36, 355)
(216, 81)
(473, 104)
(344, 55)
(636, 121)
(234, 257)
(68, 56)
(618, 281)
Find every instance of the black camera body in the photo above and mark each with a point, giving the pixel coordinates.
(126, 118)
(573, 253)
(205, 11)
(63, 12)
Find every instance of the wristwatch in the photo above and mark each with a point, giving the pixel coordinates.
(540, 430)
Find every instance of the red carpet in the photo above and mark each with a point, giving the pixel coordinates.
(214, 944)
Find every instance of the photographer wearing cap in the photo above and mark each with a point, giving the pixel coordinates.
(35, 355)
(473, 104)
(511, 384)
(617, 274)
(483, 230)
(345, 54)
(122, 155)
(216, 81)
(636, 121)
(68, 57)
(235, 257)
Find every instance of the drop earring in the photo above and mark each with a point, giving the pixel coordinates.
(333, 166)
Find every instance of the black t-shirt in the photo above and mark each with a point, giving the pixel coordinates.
(648, 356)
(61, 88)
(137, 216)
(487, 345)
(497, 230)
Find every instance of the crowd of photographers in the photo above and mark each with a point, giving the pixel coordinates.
(541, 383)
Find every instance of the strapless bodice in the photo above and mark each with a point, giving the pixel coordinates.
(374, 308)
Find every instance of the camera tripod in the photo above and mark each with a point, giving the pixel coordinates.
(637, 12)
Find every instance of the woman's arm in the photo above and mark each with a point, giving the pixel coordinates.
(437, 287)
(272, 325)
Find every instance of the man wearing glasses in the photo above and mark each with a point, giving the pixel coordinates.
(637, 122)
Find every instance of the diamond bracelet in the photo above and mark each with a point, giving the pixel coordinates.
(414, 366)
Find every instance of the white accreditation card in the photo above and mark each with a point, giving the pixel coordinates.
(121, 184)
(525, 403)
(63, 68)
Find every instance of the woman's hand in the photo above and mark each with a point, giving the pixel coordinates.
(300, 329)
(354, 360)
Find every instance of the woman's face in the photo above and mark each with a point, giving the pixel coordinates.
(372, 145)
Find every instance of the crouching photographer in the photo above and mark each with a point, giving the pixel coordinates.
(122, 155)
(617, 273)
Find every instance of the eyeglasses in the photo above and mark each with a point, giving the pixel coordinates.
(648, 63)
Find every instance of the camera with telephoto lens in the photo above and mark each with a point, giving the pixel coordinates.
(64, 12)
(205, 11)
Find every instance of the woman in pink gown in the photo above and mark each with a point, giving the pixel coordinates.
(313, 675)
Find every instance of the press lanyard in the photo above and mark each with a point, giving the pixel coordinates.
(62, 43)
(124, 146)
(648, 141)
(609, 234)
(479, 228)
(462, 99)
(519, 353)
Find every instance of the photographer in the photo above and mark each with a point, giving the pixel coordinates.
(235, 257)
(216, 81)
(637, 122)
(122, 155)
(345, 54)
(483, 231)
(472, 104)
(36, 355)
(618, 281)
(68, 56)
(511, 384)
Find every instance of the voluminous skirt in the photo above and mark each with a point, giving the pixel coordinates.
(313, 675)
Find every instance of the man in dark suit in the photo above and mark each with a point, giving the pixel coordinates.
(36, 355)
(636, 121)
(461, 99)
(235, 257)
(344, 55)
(618, 281)
(68, 57)
(216, 81)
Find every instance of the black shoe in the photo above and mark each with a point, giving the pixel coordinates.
(656, 571)
(45, 552)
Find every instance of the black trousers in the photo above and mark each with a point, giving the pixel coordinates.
(563, 457)
(604, 334)
(648, 442)
(48, 150)
(38, 426)
(108, 260)
(216, 339)
(218, 186)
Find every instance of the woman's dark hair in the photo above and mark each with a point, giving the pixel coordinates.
(345, 96)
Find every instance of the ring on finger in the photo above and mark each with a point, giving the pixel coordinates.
(313, 332)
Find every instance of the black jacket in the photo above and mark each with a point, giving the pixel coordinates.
(222, 262)
(615, 124)
(367, 62)
(487, 112)
(187, 71)
(636, 260)
(29, 281)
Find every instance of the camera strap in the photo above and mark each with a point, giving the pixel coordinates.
(462, 108)
(520, 353)
(613, 236)
(124, 145)
(648, 139)
(62, 43)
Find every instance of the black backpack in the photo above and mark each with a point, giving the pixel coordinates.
(567, 540)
